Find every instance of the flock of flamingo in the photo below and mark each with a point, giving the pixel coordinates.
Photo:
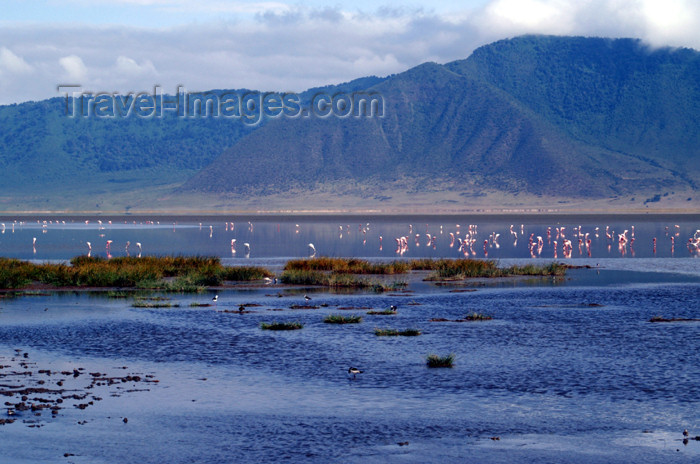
(554, 236)
(463, 239)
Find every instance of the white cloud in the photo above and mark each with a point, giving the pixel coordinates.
(74, 68)
(11, 63)
(128, 67)
(285, 47)
(530, 15)
(671, 21)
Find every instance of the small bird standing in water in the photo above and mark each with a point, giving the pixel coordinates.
(354, 371)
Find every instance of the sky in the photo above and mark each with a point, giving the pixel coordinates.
(281, 45)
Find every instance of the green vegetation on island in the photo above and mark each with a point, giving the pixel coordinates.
(166, 273)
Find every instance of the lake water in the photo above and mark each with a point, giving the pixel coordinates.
(568, 370)
(358, 236)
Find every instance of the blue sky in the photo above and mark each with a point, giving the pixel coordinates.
(156, 13)
(132, 45)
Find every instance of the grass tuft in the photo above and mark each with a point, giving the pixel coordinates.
(477, 317)
(281, 325)
(145, 304)
(434, 360)
(396, 332)
(340, 319)
(386, 312)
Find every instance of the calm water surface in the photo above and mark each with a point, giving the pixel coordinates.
(567, 371)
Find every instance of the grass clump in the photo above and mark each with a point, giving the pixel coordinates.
(245, 273)
(477, 317)
(672, 319)
(386, 312)
(340, 319)
(146, 304)
(303, 277)
(117, 294)
(434, 360)
(281, 325)
(396, 332)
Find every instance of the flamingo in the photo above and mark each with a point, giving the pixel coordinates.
(247, 249)
(313, 249)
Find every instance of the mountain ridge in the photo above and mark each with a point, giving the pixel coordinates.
(515, 142)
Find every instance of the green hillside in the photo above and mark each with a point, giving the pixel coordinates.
(616, 94)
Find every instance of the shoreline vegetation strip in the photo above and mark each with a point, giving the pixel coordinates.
(178, 273)
(443, 268)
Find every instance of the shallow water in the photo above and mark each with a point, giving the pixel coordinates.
(570, 371)
(567, 371)
(357, 236)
